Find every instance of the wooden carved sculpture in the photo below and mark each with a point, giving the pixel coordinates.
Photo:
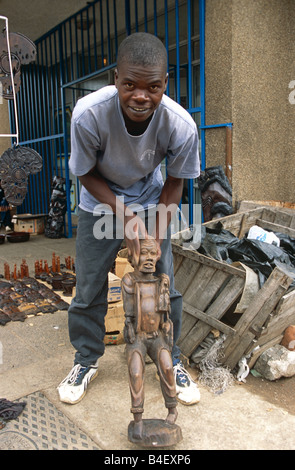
(148, 329)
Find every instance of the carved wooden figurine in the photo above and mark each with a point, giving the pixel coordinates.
(148, 329)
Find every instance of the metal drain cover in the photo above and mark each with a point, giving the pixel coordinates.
(41, 426)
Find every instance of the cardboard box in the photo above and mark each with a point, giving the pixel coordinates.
(114, 323)
(122, 265)
(115, 291)
(33, 224)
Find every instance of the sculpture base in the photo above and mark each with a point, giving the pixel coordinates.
(156, 433)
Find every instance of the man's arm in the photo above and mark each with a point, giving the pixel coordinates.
(133, 225)
(168, 204)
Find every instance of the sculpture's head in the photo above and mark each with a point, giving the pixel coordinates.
(148, 256)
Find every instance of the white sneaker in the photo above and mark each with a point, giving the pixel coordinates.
(73, 388)
(186, 389)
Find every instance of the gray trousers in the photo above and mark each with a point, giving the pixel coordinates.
(94, 259)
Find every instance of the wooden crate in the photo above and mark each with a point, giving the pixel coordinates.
(211, 288)
(275, 220)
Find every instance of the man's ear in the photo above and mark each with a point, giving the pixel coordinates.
(116, 77)
(166, 80)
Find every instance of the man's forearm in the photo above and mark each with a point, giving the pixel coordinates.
(168, 204)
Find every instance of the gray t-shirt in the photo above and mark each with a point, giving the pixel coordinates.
(131, 164)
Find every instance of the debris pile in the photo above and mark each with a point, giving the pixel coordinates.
(239, 281)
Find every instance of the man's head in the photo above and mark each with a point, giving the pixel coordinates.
(141, 77)
(142, 49)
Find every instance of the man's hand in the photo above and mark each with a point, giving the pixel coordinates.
(134, 230)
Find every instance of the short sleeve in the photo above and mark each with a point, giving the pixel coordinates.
(85, 145)
(183, 153)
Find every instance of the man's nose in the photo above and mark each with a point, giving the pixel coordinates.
(140, 94)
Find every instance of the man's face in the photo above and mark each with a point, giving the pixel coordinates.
(140, 90)
(148, 256)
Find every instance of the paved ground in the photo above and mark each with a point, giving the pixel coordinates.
(36, 355)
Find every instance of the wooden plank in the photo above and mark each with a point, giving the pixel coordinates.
(202, 298)
(177, 260)
(217, 309)
(275, 227)
(233, 222)
(257, 353)
(199, 284)
(282, 317)
(199, 258)
(213, 322)
(255, 316)
(186, 272)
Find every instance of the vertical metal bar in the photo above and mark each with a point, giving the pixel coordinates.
(65, 65)
(145, 17)
(127, 17)
(155, 18)
(88, 41)
(167, 41)
(71, 50)
(189, 82)
(65, 140)
(115, 26)
(101, 34)
(77, 49)
(136, 15)
(177, 51)
(202, 80)
(94, 36)
(82, 46)
(109, 33)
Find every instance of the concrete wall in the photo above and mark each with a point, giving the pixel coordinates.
(250, 61)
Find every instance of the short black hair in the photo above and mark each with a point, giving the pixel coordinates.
(142, 49)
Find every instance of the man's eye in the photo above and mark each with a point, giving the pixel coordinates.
(154, 88)
(129, 86)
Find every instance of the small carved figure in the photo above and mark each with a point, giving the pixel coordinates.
(148, 329)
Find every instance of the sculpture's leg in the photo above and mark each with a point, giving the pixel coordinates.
(136, 383)
(165, 367)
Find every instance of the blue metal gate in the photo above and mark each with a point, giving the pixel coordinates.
(79, 56)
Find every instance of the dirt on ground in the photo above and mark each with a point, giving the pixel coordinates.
(280, 392)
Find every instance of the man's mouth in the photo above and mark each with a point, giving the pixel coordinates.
(138, 110)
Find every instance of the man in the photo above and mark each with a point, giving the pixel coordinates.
(119, 137)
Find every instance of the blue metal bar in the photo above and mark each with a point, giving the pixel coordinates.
(177, 52)
(88, 41)
(109, 33)
(145, 17)
(41, 139)
(136, 15)
(212, 126)
(94, 36)
(71, 50)
(202, 80)
(101, 35)
(115, 26)
(127, 17)
(155, 18)
(167, 42)
(82, 46)
(89, 76)
(65, 142)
